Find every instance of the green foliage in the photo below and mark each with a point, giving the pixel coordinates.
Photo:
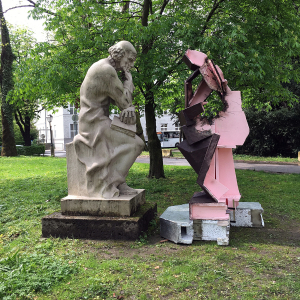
(31, 150)
(254, 43)
(22, 275)
(273, 133)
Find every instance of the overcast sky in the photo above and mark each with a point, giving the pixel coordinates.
(19, 16)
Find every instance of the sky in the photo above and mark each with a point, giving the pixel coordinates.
(19, 17)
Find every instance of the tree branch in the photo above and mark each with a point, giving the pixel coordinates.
(42, 9)
(165, 3)
(210, 15)
(19, 124)
(18, 7)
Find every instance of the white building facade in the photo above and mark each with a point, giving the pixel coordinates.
(64, 128)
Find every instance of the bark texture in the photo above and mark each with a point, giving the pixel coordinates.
(156, 168)
(6, 81)
(156, 161)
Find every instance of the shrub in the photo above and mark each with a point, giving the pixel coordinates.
(31, 150)
(273, 133)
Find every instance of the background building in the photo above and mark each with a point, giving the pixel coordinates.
(64, 128)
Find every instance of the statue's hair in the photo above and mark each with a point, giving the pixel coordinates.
(118, 50)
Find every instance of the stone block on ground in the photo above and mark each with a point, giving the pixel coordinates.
(175, 224)
(167, 153)
(99, 228)
(247, 214)
(212, 230)
(124, 205)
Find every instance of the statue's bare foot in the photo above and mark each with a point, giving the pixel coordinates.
(126, 190)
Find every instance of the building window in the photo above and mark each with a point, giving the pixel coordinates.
(73, 130)
(72, 109)
(177, 127)
(163, 127)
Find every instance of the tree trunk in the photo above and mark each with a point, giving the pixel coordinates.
(7, 57)
(156, 168)
(24, 125)
(156, 161)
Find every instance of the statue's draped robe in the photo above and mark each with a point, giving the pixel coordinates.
(106, 153)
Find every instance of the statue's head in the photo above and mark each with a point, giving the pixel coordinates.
(124, 55)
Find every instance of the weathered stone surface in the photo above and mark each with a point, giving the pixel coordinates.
(247, 214)
(212, 230)
(175, 224)
(124, 205)
(166, 152)
(104, 150)
(102, 228)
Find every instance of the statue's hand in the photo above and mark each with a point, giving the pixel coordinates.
(127, 115)
(127, 75)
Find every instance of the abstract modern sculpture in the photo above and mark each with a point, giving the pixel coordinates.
(208, 147)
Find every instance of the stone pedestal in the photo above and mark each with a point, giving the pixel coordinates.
(102, 228)
(121, 206)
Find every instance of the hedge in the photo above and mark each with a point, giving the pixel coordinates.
(31, 150)
(273, 133)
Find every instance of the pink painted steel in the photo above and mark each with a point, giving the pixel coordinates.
(208, 211)
(202, 92)
(232, 125)
(213, 185)
(197, 58)
(227, 177)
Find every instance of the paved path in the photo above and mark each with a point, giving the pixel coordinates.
(273, 168)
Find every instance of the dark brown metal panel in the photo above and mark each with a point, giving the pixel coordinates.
(201, 197)
(191, 66)
(193, 155)
(194, 75)
(188, 91)
(193, 136)
(209, 155)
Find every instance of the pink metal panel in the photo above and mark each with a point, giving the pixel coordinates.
(196, 57)
(227, 175)
(232, 125)
(202, 92)
(208, 211)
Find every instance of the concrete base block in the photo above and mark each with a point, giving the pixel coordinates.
(212, 230)
(175, 224)
(124, 205)
(247, 214)
(101, 228)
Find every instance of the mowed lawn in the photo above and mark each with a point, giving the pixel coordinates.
(259, 263)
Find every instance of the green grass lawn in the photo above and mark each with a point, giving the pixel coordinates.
(177, 154)
(259, 263)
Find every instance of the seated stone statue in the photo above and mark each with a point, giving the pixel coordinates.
(106, 153)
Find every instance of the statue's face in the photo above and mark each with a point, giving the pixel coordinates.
(127, 61)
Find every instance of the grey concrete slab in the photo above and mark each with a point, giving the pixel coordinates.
(175, 224)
